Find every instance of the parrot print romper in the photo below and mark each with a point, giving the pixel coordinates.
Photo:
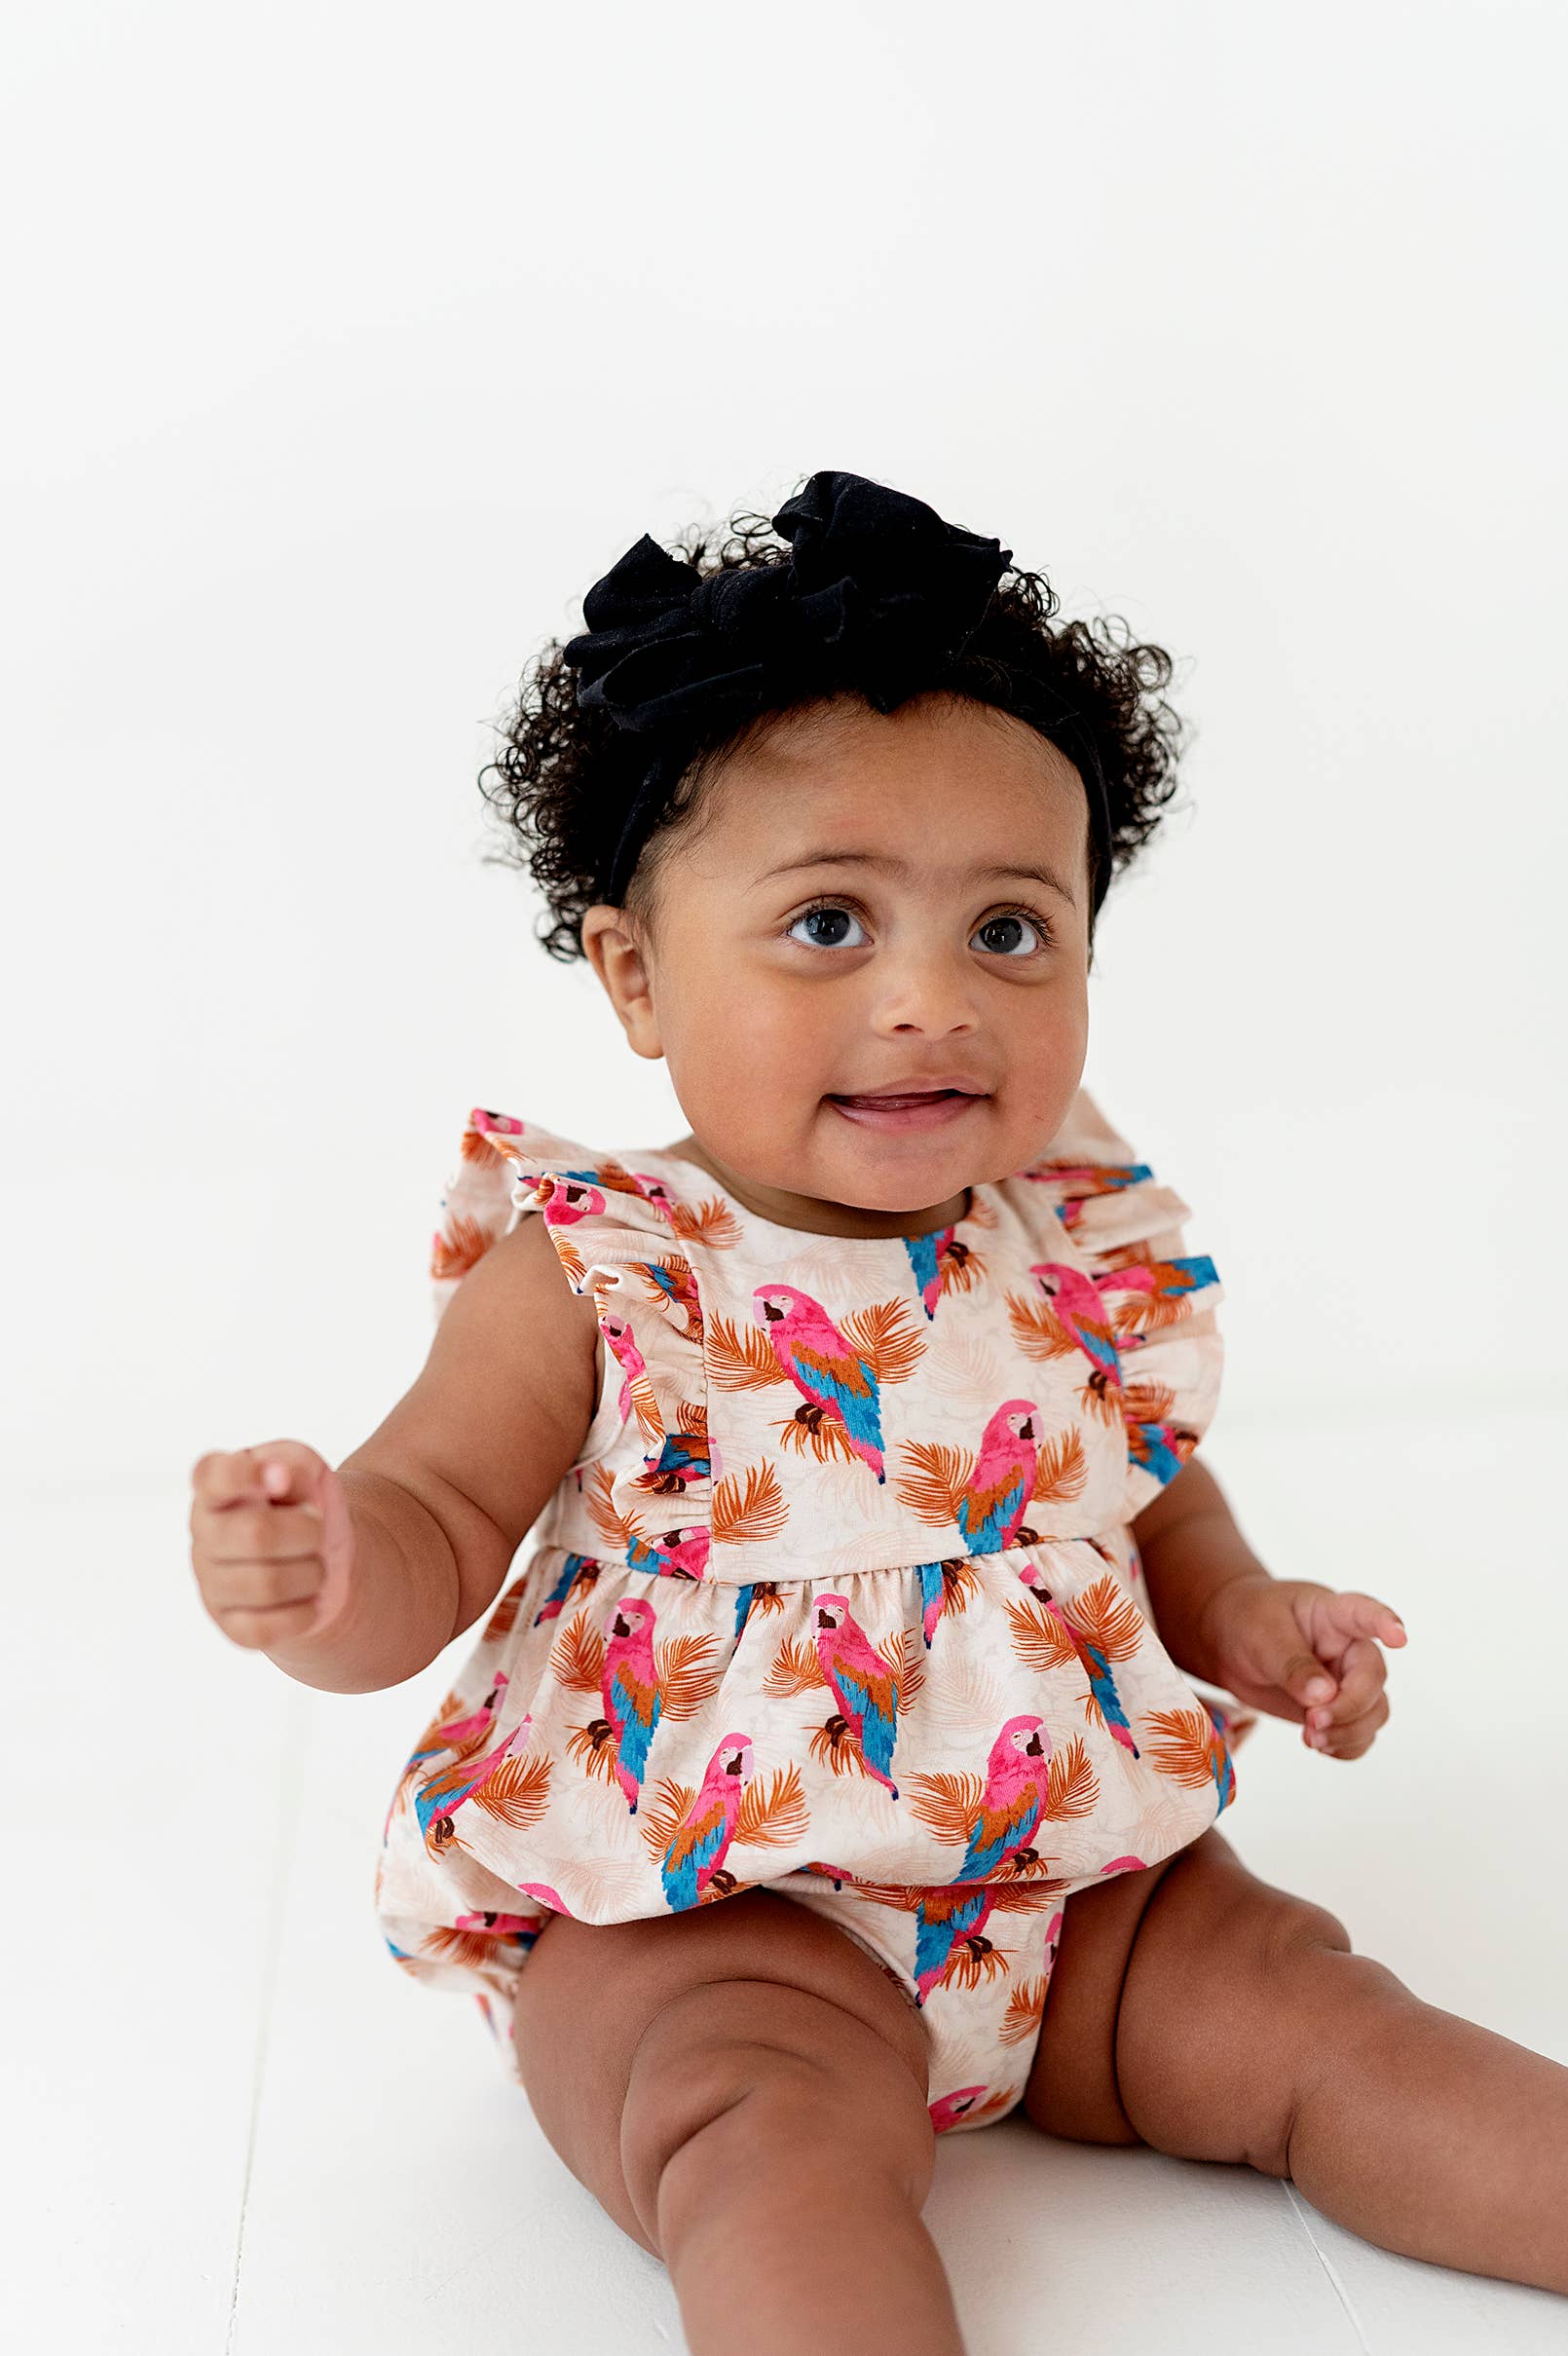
(841, 1600)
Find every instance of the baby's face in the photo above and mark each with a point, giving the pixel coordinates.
(920, 969)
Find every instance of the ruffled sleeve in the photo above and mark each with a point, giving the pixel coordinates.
(600, 1216)
(616, 1235)
(1127, 1228)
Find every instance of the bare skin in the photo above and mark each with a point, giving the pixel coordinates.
(744, 2089)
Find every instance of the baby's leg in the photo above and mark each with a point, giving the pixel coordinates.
(744, 2090)
(1247, 2029)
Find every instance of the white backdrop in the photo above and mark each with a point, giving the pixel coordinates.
(350, 346)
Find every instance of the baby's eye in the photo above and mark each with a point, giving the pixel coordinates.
(825, 909)
(1016, 916)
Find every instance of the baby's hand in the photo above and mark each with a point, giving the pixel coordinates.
(1271, 1642)
(272, 1541)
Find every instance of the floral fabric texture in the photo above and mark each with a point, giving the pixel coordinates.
(841, 1597)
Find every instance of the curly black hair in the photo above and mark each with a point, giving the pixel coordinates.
(565, 776)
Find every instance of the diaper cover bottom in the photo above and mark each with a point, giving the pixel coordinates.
(974, 1961)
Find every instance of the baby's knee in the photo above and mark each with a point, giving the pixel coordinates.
(735, 2082)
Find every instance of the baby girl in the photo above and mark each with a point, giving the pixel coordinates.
(772, 1843)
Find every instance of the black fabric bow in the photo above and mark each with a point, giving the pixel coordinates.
(877, 592)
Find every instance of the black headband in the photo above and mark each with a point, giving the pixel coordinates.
(878, 592)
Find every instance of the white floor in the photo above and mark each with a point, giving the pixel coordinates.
(234, 2128)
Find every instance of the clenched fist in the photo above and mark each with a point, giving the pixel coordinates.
(272, 1541)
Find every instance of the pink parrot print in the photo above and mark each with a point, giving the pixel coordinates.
(1013, 1801)
(865, 1688)
(630, 1689)
(837, 1383)
(1094, 1660)
(699, 1848)
(994, 1500)
(1087, 1179)
(1081, 1308)
(449, 1734)
(678, 1553)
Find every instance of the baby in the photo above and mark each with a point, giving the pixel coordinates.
(772, 1843)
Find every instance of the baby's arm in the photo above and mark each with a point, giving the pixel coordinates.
(1191, 1548)
(444, 1492)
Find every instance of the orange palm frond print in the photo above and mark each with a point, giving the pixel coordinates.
(454, 1253)
(615, 1528)
(592, 1747)
(796, 1669)
(1108, 1614)
(663, 1817)
(474, 1948)
(947, 1804)
(744, 1512)
(1025, 2009)
(1038, 1329)
(1060, 1469)
(740, 1358)
(709, 1222)
(833, 1747)
(687, 1679)
(886, 1339)
(973, 1962)
(503, 1619)
(938, 1482)
(1072, 1786)
(808, 1432)
(578, 1656)
(772, 1812)
(1148, 1401)
(1184, 1750)
(1039, 1640)
(517, 1793)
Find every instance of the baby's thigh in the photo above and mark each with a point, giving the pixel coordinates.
(1179, 2019)
(630, 2036)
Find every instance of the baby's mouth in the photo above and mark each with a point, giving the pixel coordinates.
(892, 1104)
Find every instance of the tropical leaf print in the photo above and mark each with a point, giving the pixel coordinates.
(578, 1656)
(774, 1813)
(740, 1358)
(687, 1681)
(1108, 1614)
(1025, 2009)
(616, 1529)
(667, 1812)
(1072, 1786)
(745, 1511)
(796, 1669)
(1039, 1640)
(1185, 1752)
(1038, 1329)
(941, 1473)
(886, 1339)
(948, 1803)
(503, 1619)
(454, 1252)
(1059, 1469)
(516, 1794)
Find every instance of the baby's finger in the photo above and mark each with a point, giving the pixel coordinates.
(1362, 1673)
(286, 1469)
(1353, 1614)
(1350, 1741)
